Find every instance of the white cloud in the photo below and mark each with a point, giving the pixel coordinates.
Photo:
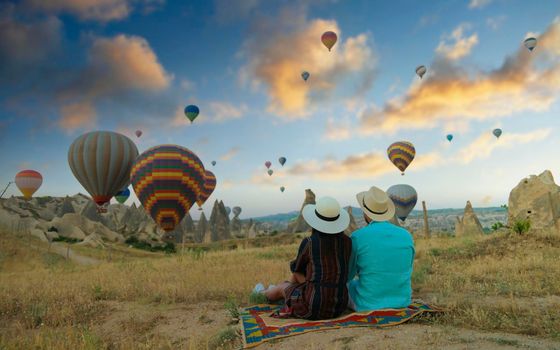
(460, 47)
(476, 4)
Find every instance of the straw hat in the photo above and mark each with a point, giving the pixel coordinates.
(376, 204)
(326, 216)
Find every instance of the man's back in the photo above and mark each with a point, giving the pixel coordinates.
(382, 257)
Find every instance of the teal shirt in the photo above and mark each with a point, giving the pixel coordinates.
(382, 258)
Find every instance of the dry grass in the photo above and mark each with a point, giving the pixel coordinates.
(501, 282)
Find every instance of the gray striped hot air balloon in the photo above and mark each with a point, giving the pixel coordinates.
(421, 70)
(404, 197)
(101, 161)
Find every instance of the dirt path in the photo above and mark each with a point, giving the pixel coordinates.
(60, 249)
(184, 326)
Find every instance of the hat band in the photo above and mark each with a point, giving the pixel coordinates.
(326, 218)
(374, 212)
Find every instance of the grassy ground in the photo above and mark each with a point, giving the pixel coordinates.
(504, 282)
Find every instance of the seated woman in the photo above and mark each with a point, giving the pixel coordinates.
(317, 289)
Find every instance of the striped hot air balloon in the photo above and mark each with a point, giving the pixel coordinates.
(401, 154)
(28, 182)
(101, 162)
(168, 179)
(404, 197)
(208, 188)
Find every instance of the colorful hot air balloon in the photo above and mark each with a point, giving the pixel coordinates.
(191, 112)
(101, 161)
(168, 179)
(213, 163)
(236, 211)
(329, 39)
(282, 189)
(122, 196)
(28, 182)
(420, 71)
(449, 137)
(305, 75)
(401, 154)
(270, 172)
(267, 164)
(404, 197)
(497, 132)
(138, 133)
(282, 161)
(530, 43)
(208, 188)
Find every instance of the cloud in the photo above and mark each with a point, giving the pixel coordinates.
(117, 65)
(230, 154)
(187, 85)
(476, 4)
(92, 10)
(461, 46)
(361, 166)
(77, 115)
(280, 48)
(495, 22)
(451, 92)
(486, 200)
(218, 112)
(337, 131)
(484, 145)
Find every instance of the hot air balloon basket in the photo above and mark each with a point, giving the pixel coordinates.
(259, 325)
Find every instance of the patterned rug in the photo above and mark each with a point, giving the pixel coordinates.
(258, 326)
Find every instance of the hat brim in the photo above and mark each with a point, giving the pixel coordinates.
(388, 215)
(330, 227)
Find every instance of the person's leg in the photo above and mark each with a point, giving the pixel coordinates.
(277, 292)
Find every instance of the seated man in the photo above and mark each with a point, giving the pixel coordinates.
(382, 257)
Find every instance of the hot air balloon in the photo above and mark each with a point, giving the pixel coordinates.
(138, 133)
(282, 161)
(420, 71)
(305, 75)
(28, 182)
(268, 164)
(530, 43)
(401, 154)
(213, 163)
(191, 112)
(404, 197)
(497, 132)
(208, 188)
(236, 211)
(329, 39)
(122, 196)
(449, 137)
(168, 179)
(228, 211)
(270, 172)
(101, 161)
(282, 189)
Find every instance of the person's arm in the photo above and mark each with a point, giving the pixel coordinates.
(353, 263)
(300, 263)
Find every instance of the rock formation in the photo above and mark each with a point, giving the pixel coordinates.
(299, 225)
(251, 229)
(353, 226)
(536, 198)
(468, 225)
(219, 223)
(90, 212)
(202, 229)
(65, 208)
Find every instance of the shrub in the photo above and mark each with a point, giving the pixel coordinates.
(497, 226)
(522, 226)
(66, 239)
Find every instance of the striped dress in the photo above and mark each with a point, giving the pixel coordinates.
(323, 259)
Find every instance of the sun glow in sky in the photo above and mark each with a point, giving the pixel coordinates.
(70, 66)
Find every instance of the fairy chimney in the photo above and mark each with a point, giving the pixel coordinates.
(202, 229)
(468, 225)
(353, 226)
(299, 225)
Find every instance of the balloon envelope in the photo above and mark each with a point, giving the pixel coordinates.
(449, 137)
(28, 182)
(305, 75)
(268, 164)
(213, 162)
(530, 43)
(101, 161)
(236, 211)
(191, 112)
(420, 71)
(168, 179)
(329, 39)
(138, 133)
(282, 189)
(282, 160)
(497, 132)
(270, 172)
(404, 197)
(122, 196)
(401, 154)
(208, 188)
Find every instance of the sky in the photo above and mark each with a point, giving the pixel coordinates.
(68, 67)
